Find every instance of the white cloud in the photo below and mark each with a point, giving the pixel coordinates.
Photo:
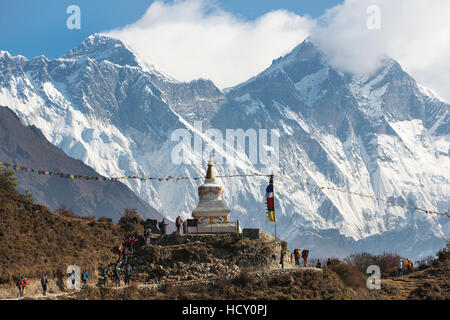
(195, 38)
(416, 33)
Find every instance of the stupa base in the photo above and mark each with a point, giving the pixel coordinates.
(214, 228)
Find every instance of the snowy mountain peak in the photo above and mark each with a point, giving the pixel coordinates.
(100, 47)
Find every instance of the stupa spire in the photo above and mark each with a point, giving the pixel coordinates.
(210, 171)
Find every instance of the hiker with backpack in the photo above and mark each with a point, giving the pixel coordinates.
(133, 241)
(117, 276)
(163, 226)
(147, 233)
(296, 257)
(318, 264)
(178, 223)
(85, 277)
(128, 271)
(105, 276)
(282, 259)
(305, 257)
(409, 265)
(44, 282)
(400, 268)
(21, 284)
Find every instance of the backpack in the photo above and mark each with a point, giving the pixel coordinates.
(305, 254)
(44, 281)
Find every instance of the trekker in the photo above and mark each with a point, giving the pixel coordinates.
(147, 233)
(72, 278)
(400, 268)
(282, 259)
(85, 277)
(408, 266)
(44, 282)
(318, 264)
(133, 242)
(328, 262)
(21, 284)
(117, 276)
(163, 226)
(178, 223)
(128, 271)
(305, 257)
(105, 276)
(297, 257)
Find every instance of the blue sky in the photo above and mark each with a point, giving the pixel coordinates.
(32, 28)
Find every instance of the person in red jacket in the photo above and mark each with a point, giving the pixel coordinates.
(21, 285)
(178, 223)
(305, 257)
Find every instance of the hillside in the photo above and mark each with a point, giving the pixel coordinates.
(36, 240)
(27, 147)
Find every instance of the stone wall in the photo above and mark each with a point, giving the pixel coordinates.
(253, 233)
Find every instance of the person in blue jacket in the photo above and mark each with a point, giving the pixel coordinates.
(85, 277)
(163, 226)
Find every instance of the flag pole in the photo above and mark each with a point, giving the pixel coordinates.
(274, 214)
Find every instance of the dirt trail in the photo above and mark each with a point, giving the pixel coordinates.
(417, 285)
(187, 283)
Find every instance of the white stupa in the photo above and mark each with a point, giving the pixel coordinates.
(211, 213)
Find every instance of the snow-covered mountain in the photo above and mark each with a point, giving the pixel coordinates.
(380, 134)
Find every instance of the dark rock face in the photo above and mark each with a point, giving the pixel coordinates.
(28, 147)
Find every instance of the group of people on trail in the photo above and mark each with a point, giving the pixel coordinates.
(85, 276)
(126, 248)
(297, 254)
(401, 269)
(127, 270)
(22, 282)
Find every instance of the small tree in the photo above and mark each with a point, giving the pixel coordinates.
(131, 221)
(130, 216)
(65, 211)
(444, 253)
(7, 178)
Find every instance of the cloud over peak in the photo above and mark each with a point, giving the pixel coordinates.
(197, 39)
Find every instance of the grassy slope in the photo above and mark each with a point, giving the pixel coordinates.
(35, 240)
